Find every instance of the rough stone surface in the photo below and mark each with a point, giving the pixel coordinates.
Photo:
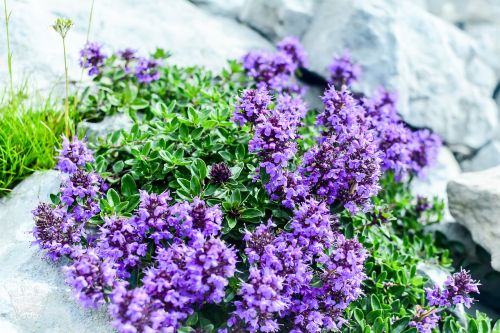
(276, 19)
(474, 201)
(229, 8)
(33, 295)
(487, 157)
(435, 67)
(193, 36)
(106, 126)
(434, 182)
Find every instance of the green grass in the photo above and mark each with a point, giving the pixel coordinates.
(30, 129)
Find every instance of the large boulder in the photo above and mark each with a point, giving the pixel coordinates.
(474, 202)
(442, 82)
(229, 8)
(192, 35)
(433, 183)
(33, 295)
(276, 19)
(487, 157)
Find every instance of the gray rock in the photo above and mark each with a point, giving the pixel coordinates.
(429, 62)
(276, 19)
(229, 8)
(487, 35)
(106, 126)
(474, 202)
(33, 295)
(487, 157)
(433, 184)
(193, 36)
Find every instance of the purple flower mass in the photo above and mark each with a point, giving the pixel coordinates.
(343, 71)
(147, 70)
(73, 154)
(252, 105)
(457, 289)
(343, 169)
(55, 231)
(92, 57)
(89, 275)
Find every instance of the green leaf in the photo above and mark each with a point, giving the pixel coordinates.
(195, 185)
(118, 166)
(128, 185)
(400, 325)
(200, 169)
(496, 328)
(375, 302)
(113, 198)
(251, 213)
(192, 319)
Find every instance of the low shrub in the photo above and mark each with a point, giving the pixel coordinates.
(231, 207)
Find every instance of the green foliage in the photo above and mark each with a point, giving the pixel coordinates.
(29, 131)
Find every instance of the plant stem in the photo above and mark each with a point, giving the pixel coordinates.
(75, 102)
(67, 90)
(9, 54)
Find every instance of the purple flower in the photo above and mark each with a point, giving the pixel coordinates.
(345, 169)
(425, 147)
(342, 111)
(423, 204)
(424, 320)
(343, 71)
(312, 225)
(81, 193)
(152, 215)
(136, 311)
(270, 71)
(262, 301)
(294, 49)
(190, 218)
(89, 275)
(73, 155)
(220, 173)
(189, 275)
(293, 107)
(252, 104)
(319, 309)
(457, 289)
(121, 241)
(91, 57)
(55, 231)
(147, 70)
(286, 186)
(127, 55)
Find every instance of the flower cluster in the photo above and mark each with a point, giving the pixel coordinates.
(424, 320)
(282, 273)
(92, 57)
(185, 275)
(342, 111)
(253, 104)
(457, 290)
(127, 55)
(55, 231)
(195, 217)
(74, 154)
(344, 169)
(343, 71)
(121, 241)
(89, 275)
(147, 70)
(152, 213)
(402, 149)
(59, 228)
(273, 71)
(220, 173)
